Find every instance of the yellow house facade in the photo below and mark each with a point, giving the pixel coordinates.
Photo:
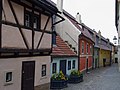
(104, 58)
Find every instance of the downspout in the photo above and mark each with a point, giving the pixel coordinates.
(0, 24)
(93, 56)
(79, 52)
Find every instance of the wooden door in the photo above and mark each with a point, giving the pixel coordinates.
(63, 66)
(28, 71)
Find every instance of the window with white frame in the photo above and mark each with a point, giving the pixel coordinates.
(87, 48)
(8, 76)
(43, 70)
(28, 20)
(54, 67)
(82, 47)
(91, 49)
(73, 64)
(69, 65)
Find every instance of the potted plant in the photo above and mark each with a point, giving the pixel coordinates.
(75, 77)
(58, 81)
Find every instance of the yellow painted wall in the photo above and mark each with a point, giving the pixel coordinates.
(104, 54)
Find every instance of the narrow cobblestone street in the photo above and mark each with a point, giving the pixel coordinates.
(104, 78)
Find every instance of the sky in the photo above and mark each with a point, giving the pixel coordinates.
(96, 14)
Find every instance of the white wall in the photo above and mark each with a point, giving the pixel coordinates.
(11, 37)
(15, 65)
(67, 27)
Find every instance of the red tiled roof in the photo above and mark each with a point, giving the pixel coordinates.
(62, 48)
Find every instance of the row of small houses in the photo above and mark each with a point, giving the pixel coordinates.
(38, 39)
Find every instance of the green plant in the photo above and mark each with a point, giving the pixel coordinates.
(75, 73)
(58, 76)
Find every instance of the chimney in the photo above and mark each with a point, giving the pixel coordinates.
(99, 33)
(60, 5)
(78, 18)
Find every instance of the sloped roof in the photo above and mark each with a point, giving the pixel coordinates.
(77, 25)
(104, 47)
(62, 48)
(45, 4)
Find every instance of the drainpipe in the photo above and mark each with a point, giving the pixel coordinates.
(79, 52)
(0, 24)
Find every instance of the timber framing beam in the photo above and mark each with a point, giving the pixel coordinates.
(23, 26)
(24, 39)
(10, 53)
(43, 32)
(33, 32)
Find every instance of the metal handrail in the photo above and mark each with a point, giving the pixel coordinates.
(71, 38)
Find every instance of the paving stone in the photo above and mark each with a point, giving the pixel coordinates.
(104, 78)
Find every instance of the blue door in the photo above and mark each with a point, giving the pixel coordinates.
(63, 66)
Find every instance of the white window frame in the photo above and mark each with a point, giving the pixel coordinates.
(82, 47)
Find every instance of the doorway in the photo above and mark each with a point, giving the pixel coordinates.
(28, 71)
(63, 66)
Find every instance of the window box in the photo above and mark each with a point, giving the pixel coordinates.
(58, 81)
(58, 84)
(75, 79)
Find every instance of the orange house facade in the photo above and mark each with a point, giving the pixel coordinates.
(85, 51)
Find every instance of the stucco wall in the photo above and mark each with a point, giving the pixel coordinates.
(67, 31)
(104, 54)
(15, 65)
(11, 37)
(96, 57)
(82, 63)
(57, 60)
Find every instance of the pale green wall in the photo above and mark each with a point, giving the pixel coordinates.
(57, 60)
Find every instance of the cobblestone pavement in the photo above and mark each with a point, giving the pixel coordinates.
(104, 78)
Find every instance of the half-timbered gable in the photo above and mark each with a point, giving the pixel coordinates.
(25, 43)
(26, 26)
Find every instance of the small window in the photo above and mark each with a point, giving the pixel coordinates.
(87, 48)
(69, 65)
(91, 49)
(36, 22)
(43, 70)
(54, 67)
(8, 76)
(27, 20)
(73, 64)
(82, 48)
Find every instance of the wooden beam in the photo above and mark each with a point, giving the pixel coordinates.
(33, 32)
(23, 26)
(43, 32)
(0, 24)
(24, 39)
